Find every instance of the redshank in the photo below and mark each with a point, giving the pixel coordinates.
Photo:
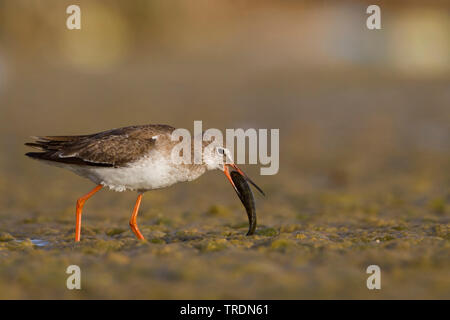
(136, 158)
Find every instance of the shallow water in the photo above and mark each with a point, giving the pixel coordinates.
(39, 242)
(36, 242)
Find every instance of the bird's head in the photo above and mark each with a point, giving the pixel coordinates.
(220, 158)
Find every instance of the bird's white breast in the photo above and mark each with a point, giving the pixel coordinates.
(150, 172)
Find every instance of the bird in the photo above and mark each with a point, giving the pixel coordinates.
(133, 158)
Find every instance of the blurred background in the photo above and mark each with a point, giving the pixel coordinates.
(364, 146)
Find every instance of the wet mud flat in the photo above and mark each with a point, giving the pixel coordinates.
(212, 258)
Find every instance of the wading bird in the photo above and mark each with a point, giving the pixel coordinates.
(136, 158)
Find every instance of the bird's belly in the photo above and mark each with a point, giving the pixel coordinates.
(142, 175)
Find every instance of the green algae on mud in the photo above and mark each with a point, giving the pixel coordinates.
(300, 261)
(205, 253)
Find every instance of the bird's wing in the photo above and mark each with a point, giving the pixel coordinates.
(112, 148)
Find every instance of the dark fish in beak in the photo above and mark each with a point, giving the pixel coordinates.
(238, 180)
(235, 167)
(246, 195)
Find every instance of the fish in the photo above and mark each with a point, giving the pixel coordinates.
(245, 194)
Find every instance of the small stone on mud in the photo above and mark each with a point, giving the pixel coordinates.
(300, 236)
(5, 236)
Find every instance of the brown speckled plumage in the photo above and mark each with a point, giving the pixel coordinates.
(111, 148)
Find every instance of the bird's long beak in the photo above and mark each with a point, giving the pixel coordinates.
(226, 170)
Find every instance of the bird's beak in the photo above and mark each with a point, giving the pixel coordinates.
(226, 170)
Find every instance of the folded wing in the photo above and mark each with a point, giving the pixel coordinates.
(112, 148)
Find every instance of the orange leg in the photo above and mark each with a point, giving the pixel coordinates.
(133, 223)
(80, 204)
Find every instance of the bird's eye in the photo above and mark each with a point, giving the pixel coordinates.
(220, 151)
